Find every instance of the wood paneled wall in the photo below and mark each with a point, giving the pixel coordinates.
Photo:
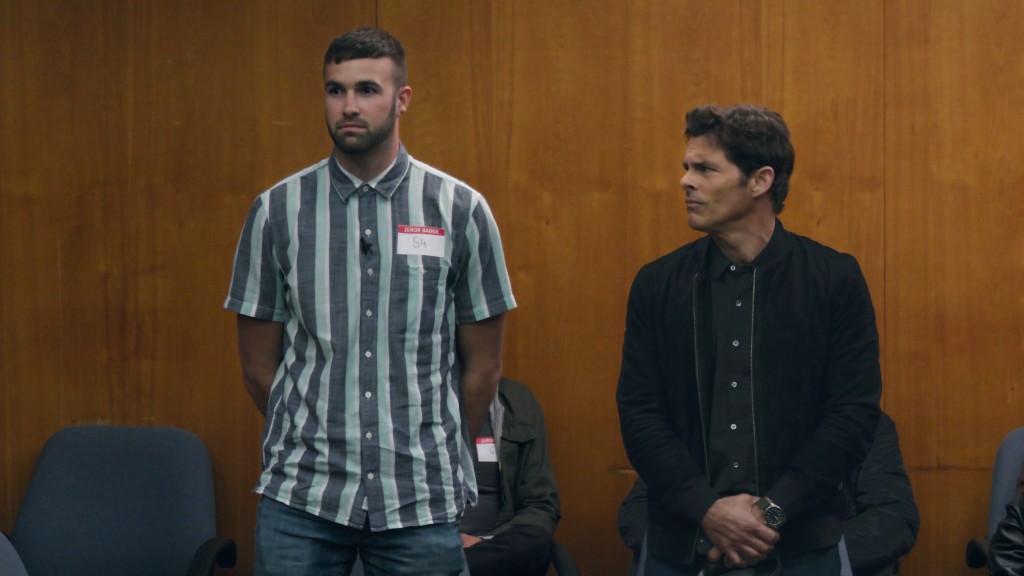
(135, 134)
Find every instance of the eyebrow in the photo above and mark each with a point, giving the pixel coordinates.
(698, 164)
(359, 84)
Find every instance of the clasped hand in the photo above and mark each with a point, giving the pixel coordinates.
(736, 527)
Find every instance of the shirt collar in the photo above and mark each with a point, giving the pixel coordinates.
(774, 251)
(717, 261)
(385, 183)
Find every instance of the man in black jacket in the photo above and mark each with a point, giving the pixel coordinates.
(750, 379)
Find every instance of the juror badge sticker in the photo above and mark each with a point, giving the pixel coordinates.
(486, 451)
(421, 241)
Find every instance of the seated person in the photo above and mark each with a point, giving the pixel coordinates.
(883, 520)
(511, 530)
(1006, 553)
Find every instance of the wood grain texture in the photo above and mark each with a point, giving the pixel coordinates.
(525, 104)
(135, 135)
(832, 99)
(953, 257)
(952, 512)
(61, 281)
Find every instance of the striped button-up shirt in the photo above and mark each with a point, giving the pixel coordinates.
(363, 421)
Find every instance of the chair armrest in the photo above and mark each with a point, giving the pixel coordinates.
(977, 553)
(215, 551)
(563, 561)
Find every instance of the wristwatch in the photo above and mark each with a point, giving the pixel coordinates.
(773, 514)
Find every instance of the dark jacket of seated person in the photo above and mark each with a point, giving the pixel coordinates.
(1006, 552)
(883, 521)
(511, 530)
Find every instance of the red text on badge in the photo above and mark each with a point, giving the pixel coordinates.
(420, 241)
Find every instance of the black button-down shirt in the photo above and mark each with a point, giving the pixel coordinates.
(732, 451)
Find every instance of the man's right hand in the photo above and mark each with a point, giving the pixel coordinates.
(738, 534)
(261, 350)
(469, 540)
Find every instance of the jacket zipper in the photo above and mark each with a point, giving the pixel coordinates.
(696, 363)
(700, 399)
(753, 404)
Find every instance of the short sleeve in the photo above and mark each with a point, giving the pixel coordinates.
(483, 289)
(257, 286)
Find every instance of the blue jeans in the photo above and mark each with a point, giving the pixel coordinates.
(291, 542)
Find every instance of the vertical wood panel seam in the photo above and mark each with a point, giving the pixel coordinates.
(885, 209)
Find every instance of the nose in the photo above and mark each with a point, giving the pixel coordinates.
(686, 182)
(349, 107)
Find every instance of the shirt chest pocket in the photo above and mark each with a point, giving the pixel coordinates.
(516, 443)
(518, 433)
(418, 294)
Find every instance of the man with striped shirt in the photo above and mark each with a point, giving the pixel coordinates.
(370, 290)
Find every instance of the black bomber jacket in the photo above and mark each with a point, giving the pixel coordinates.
(816, 385)
(1006, 553)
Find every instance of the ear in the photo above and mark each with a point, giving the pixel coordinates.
(404, 97)
(761, 181)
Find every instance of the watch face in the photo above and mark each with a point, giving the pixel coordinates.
(773, 516)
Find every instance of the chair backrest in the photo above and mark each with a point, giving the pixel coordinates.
(117, 500)
(10, 562)
(1005, 474)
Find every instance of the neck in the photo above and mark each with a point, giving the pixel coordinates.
(369, 164)
(742, 246)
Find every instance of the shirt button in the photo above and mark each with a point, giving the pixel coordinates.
(738, 303)
(369, 271)
(732, 426)
(368, 354)
(369, 313)
(369, 476)
(369, 435)
(368, 232)
(368, 394)
(732, 267)
(734, 465)
(735, 343)
(734, 384)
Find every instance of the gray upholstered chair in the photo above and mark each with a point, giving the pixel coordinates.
(1005, 475)
(10, 562)
(120, 501)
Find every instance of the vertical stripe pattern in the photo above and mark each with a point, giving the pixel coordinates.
(363, 422)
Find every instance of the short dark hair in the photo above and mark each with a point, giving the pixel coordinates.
(367, 42)
(751, 137)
